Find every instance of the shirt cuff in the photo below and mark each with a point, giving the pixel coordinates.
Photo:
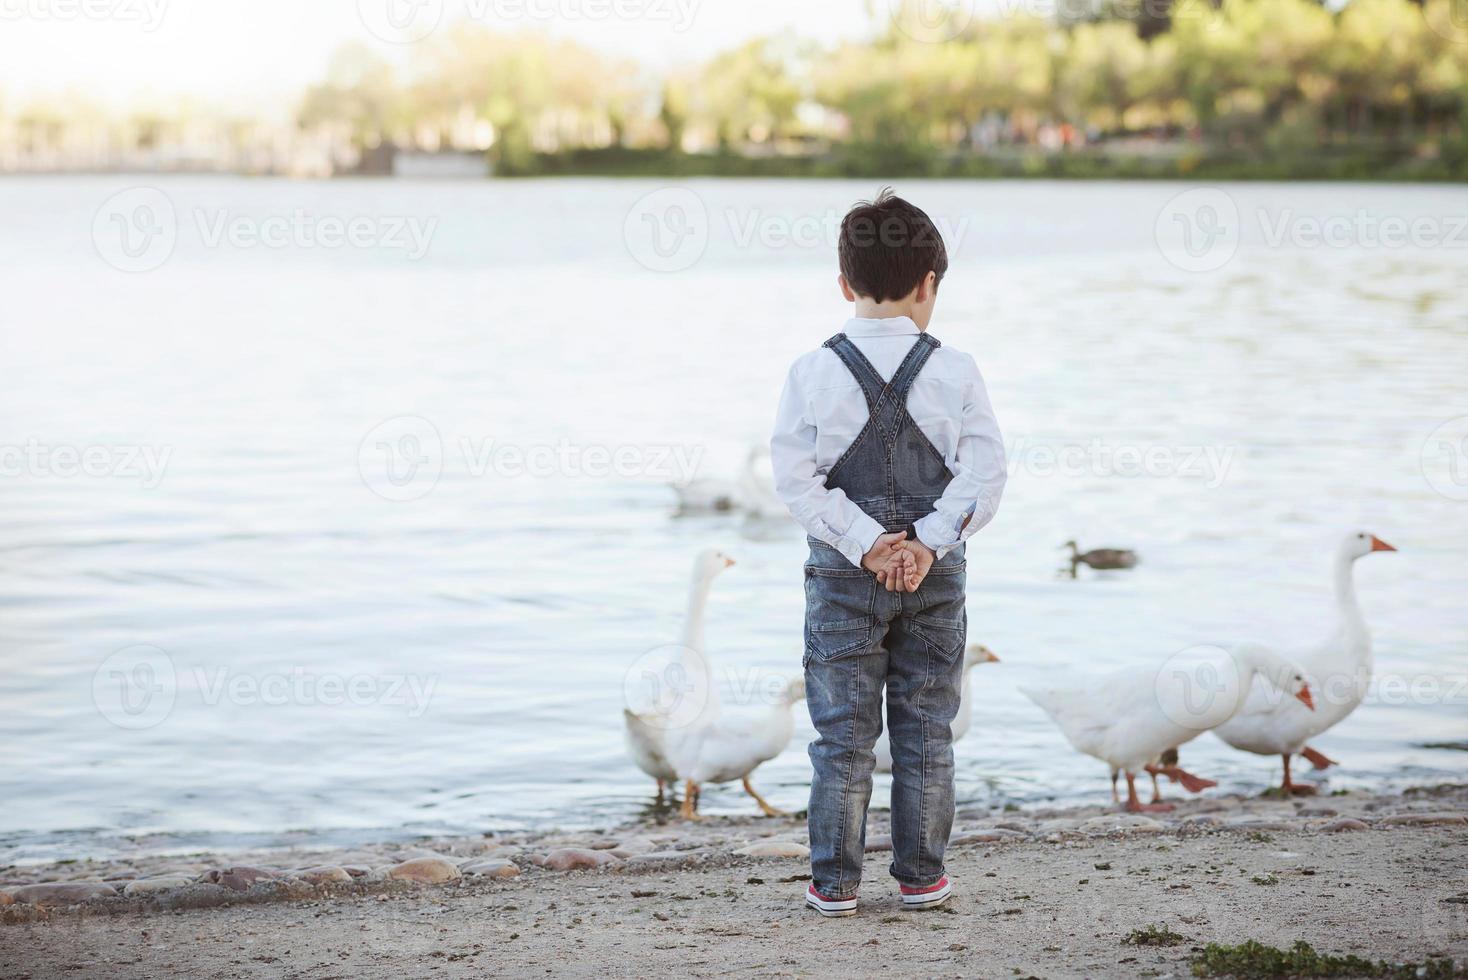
(859, 538)
(939, 539)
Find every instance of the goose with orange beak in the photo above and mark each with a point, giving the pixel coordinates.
(1339, 668)
(1131, 718)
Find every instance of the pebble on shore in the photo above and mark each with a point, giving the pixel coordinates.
(426, 871)
(163, 882)
(574, 859)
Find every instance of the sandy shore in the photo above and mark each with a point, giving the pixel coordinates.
(1045, 893)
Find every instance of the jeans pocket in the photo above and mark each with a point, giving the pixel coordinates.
(843, 638)
(942, 634)
(839, 621)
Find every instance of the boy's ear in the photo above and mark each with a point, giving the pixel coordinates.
(927, 287)
(846, 289)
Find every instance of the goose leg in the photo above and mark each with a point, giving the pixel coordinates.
(1191, 783)
(1290, 788)
(1134, 805)
(1156, 793)
(769, 811)
(660, 789)
(1115, 796)
(690, 800)
(1318, 759)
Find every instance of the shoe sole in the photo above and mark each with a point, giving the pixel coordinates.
(914, 903)
(833, 910)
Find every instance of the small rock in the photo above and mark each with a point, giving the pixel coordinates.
(1423, 819)
(324, 875)
(1202, 820)
(237, 879)
(62, 892)
(357, 870)
(879, 842)
(425, 871)
(575, 859)
(774, 849)
(1344, 825)
(1262, 825)
(149, 886)
(1133, 823)
(492, 869)
(6, 898)
(985, 836)
(635, 845)
(604, 845)
(664, 859)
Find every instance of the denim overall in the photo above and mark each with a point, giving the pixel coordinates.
(859, 638)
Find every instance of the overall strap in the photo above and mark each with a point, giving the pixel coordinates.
(911, 365)
(856, 362)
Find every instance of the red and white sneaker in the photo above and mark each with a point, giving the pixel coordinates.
(831, 908)
(926, 898)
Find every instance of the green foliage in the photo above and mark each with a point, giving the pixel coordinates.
(1256, 961)
(1154, 936)
(1252, 88)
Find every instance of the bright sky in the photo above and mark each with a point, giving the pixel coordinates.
(256, 53)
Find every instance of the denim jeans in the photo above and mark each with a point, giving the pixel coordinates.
(860, 639)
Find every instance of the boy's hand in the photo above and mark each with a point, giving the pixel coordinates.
(894, 576)
(884, 550)
(919, 562)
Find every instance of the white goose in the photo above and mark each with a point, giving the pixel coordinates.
(1128, 719)
(1340, 667)
(725, 749)
(976, 654)
(687, 666)
(751, 490)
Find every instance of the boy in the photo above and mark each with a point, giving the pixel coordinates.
(886, 451)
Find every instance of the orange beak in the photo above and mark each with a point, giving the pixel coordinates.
(992, 659)
(1305, 698)
(728, 562)
(1379, 545)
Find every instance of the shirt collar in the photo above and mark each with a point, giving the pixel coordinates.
(897, 326)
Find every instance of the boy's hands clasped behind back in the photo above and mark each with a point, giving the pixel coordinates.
(899, 564)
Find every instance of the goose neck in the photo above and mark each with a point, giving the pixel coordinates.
(693, 621)
(1352, 623)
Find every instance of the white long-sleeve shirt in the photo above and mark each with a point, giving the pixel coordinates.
(822, 411)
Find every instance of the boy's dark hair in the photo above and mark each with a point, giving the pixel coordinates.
(888, 246)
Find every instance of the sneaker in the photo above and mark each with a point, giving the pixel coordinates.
(926, 898)
(831, 908)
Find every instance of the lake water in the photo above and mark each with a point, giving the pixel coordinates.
(343, 646)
